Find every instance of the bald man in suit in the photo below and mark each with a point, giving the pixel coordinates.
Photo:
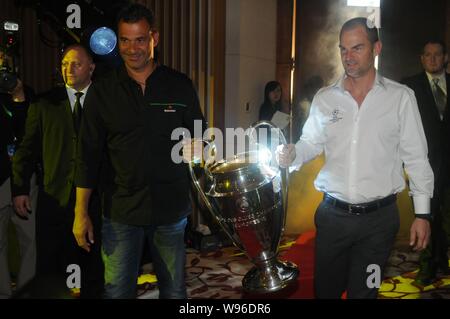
(50, 139)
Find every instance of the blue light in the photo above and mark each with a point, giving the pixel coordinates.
(103, 41)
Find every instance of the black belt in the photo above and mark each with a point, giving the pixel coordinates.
(358, 209)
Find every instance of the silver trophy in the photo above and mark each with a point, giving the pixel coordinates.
(247, 195)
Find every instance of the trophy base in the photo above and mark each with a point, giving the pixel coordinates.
(274, 277)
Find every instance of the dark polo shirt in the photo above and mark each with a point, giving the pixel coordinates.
(131, 133)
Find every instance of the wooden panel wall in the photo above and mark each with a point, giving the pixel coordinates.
(192, 41)
(38, 62)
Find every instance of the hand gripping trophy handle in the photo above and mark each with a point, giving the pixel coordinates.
(247, 195)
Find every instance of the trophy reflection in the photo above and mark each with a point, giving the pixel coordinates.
(247, 196)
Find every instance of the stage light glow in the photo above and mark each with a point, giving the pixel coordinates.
(264, 155)
(103, 41)
(363, 3)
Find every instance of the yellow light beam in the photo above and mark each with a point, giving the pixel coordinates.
(291, 98)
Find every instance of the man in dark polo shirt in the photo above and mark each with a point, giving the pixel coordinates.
(128, 118)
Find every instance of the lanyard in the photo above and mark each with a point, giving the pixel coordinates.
(7, 111)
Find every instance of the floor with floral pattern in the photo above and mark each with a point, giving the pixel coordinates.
(218, 275)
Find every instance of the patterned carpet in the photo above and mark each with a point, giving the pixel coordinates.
(400, 274)
(212, 275)
(218, 275)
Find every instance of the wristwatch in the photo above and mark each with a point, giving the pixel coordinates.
(425, 216)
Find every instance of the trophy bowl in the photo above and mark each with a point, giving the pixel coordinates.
(247, 196)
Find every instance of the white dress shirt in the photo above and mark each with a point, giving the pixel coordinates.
(365, 147)
(72, 98)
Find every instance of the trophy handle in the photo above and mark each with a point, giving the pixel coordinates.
(205, 199)
(284, 171)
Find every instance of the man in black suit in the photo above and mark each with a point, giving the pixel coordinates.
(15, 97)
(430, 88)
(50, 139)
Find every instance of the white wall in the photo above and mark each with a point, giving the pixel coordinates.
(250, 58)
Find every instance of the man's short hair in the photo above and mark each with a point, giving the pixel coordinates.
(435, 41)
(135, 12)
(78, 46)
(371, 30)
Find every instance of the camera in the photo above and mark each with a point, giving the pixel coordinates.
(8, 79)
(8, 48)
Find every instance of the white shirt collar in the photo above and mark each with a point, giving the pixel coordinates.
(71, 94)
(441, 77)
(442, 81)
(379, 81)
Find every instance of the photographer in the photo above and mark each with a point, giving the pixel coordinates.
(14, 101)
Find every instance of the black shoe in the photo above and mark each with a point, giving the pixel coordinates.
(425, 277)
(443, 269)
(424, 281)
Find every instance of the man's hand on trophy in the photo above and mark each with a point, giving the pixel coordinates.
(285, 155)
(192, 150)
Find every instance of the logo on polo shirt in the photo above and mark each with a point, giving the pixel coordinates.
(168, 107)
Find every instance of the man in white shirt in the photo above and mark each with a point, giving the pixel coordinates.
(368, 127)
(430, 88)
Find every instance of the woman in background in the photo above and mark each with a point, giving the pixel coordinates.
(272, 101)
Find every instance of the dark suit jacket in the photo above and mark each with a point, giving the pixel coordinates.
(12, 123)
(51, 141)
(436, 131)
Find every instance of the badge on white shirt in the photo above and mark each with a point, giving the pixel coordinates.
(336, 115)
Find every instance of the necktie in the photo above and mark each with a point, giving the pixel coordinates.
(439, 97)
(77, 112)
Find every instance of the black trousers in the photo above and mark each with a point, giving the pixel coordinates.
(57, 248)
(347, 246)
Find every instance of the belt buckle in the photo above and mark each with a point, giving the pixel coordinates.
(351, 209)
